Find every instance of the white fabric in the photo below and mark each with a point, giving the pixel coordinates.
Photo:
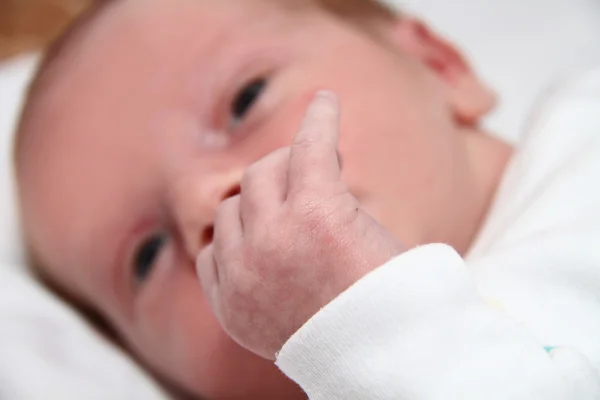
(431, 326)
(48, 352)
(13, 78)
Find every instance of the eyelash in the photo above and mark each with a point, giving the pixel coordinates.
(146, 255)
(150, 249)
(245, 100)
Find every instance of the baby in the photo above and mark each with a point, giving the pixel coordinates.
(168, 181)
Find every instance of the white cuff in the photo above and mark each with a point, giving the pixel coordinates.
(416, 328)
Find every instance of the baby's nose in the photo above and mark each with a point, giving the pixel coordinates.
(206, 235)
(195, 201)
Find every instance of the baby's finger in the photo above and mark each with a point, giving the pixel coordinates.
(214, 261)
(206, 269)
(314, 158)
(264, 186)
(228, 233)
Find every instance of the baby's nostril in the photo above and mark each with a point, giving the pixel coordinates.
(234, 191)
(207, 236)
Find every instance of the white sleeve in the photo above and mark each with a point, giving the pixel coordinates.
(417, 328)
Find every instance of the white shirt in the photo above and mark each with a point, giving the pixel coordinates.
(519, 318)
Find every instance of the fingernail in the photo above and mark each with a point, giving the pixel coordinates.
(327, 94)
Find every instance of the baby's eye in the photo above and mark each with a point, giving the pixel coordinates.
(245, 99)
(146, 256)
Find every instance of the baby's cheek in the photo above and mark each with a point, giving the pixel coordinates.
(192, 325)
(205, 358)
(173, 324)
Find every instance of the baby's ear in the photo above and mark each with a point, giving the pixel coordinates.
(470, 98)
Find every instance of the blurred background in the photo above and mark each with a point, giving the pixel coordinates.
(27, 25)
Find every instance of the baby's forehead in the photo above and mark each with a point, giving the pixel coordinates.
(112, 29)
(119, 37)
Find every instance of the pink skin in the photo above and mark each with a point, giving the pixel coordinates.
(291, 241)
(134, 137)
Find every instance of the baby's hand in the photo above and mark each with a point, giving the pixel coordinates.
(292, 241)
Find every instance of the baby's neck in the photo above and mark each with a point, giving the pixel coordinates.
(489, 158)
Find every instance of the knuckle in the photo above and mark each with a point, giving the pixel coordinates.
(306, 141)
(324, 216)
(312, 205)
(313, 211)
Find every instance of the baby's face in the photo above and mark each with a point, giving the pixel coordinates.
(158, 111)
